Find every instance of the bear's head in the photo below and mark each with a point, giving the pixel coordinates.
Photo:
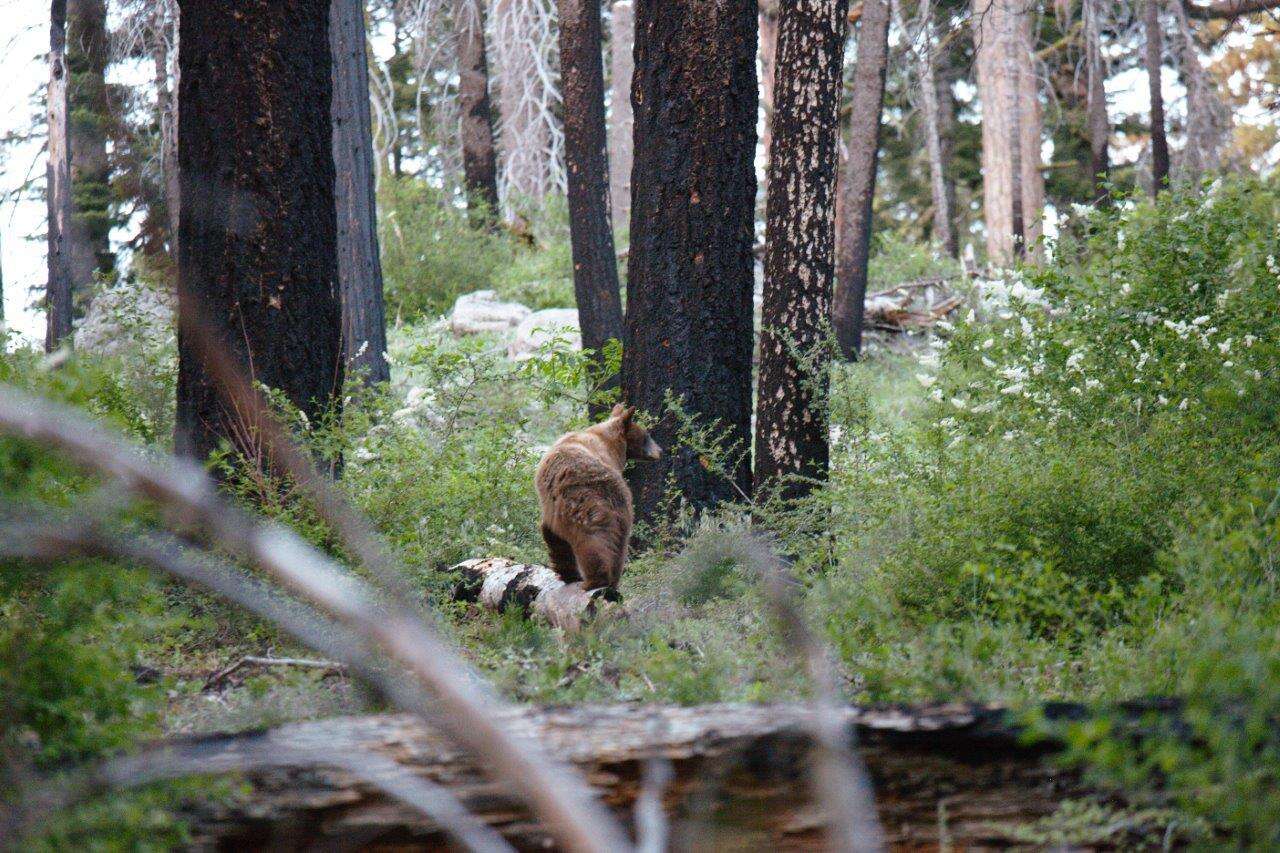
(639, 443)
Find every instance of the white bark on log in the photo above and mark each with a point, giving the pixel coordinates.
(953, 774)
(500, 584)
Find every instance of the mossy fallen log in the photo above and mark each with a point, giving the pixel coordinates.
(501, 584)
(955, 775)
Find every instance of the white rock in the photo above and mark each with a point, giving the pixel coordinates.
(124, 317)
(540, 327)
(482, 312)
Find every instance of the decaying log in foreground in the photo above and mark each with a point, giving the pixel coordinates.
(499, 584)
(949, 774)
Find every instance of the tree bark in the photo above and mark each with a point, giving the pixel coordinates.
(1208, 118)
(87, 238)
(58, 191)
(1096, 111)
(853, 243)
(1154, 55)
(622, 37)
(364, 329)
(479, 159)
(595, 263)
(258, 259)
(537, 591)
(1013, 185)
(768, 73)
(163, 26)
(954, 777)
(792, 441)
(940, 190)
(691, 268)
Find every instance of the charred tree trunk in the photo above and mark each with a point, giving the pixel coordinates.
(364, 330)
(258, 260)
(948, 777)
(792, 442)
(595, 263)
(58, 192)
(853, 243)
(87, 238)
(479, 159)
(622, 36)
(1099, 124)
(690, 274)
(1154, 55)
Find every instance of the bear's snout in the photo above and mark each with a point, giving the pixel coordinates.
(652, 451)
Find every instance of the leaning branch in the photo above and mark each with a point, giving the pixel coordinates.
(1228, 9)
(188, 498)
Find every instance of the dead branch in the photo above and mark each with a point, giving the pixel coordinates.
(218, 677)
(839, 775)
(188, 499)
(1227, 9)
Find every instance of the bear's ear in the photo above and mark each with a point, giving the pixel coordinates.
(627, 413)
(618, 409)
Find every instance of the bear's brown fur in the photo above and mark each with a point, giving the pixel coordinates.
(586, 505)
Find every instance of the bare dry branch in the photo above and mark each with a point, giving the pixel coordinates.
(188, 498)
(839, 776)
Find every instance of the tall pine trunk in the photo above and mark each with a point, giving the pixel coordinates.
(479, 159)
(163, 25)
(595, 264)
(1013, 185)
(258, 259)
(364, 331)
(853, 243)
(622, 34)
(689, 306)
(1154, 56)
(940, 190)
(792, 442)
(1096, 110)
(87, 239)
(768, 72)
(58, 192)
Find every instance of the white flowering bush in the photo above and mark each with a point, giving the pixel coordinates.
(1069, 424)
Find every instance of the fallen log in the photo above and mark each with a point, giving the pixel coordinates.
(501, 584)
(955, 775)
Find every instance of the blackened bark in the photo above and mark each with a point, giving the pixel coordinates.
(58, 191)
(853, 243)
(258, 261)
(689, 283)
(1154, 54)
(792, 443)
(1099, 125)
(364, 332)
(87, 238)
(479, 160)
(622, 39)
(595, 264)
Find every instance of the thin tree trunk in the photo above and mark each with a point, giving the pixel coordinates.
(1154, 57)
(58, 193)
(768, 72)
(621, 121)
(364, 329)
(1030, 124)
(595, 263)
(1208, 118)
(258, 258)
(479, 159)
(167, 108)
(87, 238)
(792, 442)
(691, 269)
(853, 243)
(944, 232)
(1099, 124)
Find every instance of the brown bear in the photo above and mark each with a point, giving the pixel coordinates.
(586, 505)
